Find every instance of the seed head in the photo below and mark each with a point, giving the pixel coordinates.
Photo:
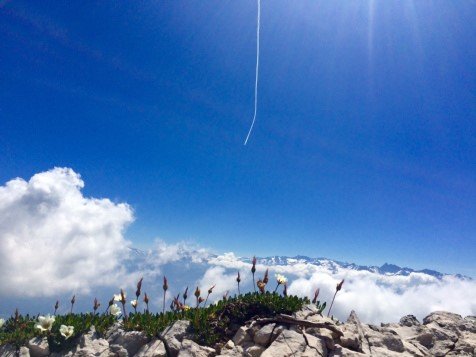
(238, 278)
(73, 300)
(146, 298)
(197, 292)
(261, 286)
(123, 297)
(339, 286)
(211, 289)
(96, 304)
(285, 290)
(200, 300)
(265, 279)
(185, 294)
(56, 305)
(253, 268)
(316, 294)
(111, 301)
(166, 284)
(139, 286)
(225, 295)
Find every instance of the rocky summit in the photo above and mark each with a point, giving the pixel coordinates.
(306, 333)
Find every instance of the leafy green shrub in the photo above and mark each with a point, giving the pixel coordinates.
(219, 322)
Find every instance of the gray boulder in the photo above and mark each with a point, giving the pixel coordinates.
(39, 347)
(354, 338)
(131, 341)
(193, 349)
(340, 351)
(409, 321)
(11, 351)
(90, 344)
(154, 348)
(175, 334)
(242, 336)
(267, 334)
(288, 343)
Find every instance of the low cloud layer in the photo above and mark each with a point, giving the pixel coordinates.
(375, 297)
(54, 240)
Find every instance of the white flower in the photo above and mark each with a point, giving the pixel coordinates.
(66, 331)
(2, 322)
(134, 303)
(118, 297)
(115, 310)
(281, 279)
(45, 322)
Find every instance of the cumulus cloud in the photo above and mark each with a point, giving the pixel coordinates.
(54, 240)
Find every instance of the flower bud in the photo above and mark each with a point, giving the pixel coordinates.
(211, 290)
(316, 294)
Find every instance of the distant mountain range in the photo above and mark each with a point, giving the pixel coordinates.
(331, 265)
(334, 265)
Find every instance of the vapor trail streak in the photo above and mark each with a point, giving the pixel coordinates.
(257, 72)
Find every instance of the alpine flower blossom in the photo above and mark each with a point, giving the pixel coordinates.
(45, 323)
(118, 297)
(281, 279)
(115, 310)
(66, 331)
(134, 303)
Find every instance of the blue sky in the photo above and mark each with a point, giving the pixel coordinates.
(364, 148)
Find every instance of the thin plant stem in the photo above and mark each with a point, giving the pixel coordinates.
(332, 303)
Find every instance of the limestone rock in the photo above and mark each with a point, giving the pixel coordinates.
(236, 351)
(354, 338)
(118, 351)
(193, 349)
(10, 351)
(315, 346)
(154, 348)
(38, 347)
(288, 343)
(267, 334)
(409, 320)
(132, 341)
(254, 351)
(340, 351)
(443, 318)
(90, 344)
(242, 335)
(175, 334)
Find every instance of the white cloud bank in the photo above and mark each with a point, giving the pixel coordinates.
(54, 240)
(375, 297)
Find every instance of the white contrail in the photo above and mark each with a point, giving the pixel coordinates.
(257, 71)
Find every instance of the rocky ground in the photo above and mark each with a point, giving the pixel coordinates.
(304, 334)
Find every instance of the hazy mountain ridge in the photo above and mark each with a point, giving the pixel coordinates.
(331, 265)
